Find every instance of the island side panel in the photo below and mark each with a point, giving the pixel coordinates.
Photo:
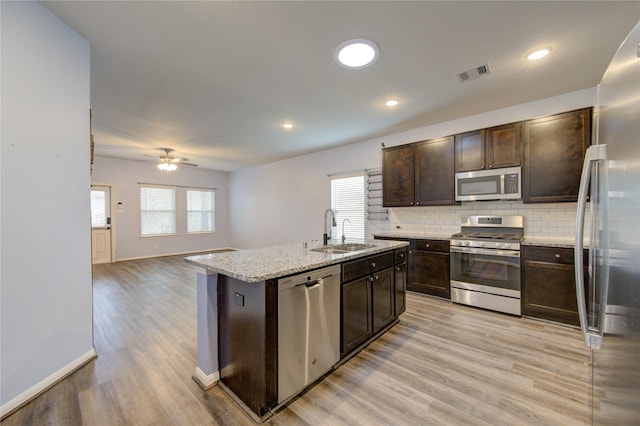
(247, 350)
(206, 374)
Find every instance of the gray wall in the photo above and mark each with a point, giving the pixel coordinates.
(123, 177)
(45, 303)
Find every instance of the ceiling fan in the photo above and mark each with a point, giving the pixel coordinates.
(169, 163)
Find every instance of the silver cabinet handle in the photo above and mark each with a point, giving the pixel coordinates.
(373, 264)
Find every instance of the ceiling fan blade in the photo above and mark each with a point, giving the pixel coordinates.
(188, 164)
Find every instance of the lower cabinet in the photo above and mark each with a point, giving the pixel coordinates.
(548, 284)
(429, 267)
(368, 299)
(400, 280)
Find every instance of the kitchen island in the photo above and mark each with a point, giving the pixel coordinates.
(238, 316)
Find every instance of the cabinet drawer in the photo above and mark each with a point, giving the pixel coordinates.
(400, 255)
(361, 267)
(430, 245)
(557, 255)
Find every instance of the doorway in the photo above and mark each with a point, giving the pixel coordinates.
(100, 224)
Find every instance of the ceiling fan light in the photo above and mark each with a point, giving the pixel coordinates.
(167, 167)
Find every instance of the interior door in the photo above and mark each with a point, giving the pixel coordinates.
(100, 224)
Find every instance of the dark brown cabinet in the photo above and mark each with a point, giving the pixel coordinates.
(419, 174)
(554, 149)
(398, 176)
(400, 280)
(429, 267)
(434, 174)
(368, 299)
(548, 283)
(504, 145)
(491, 148)
(357, 320)
(470, 151)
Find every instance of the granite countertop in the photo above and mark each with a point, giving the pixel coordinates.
(565, 242)
(427, 235)
(256, 265)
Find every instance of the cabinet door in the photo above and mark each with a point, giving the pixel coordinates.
(470, 151)
(357, 324)
(400, 282)
(435, 172)
(554, 149)
(429, 273)
(398, 176)
(383, 292)
(549, 289)
(504, 145)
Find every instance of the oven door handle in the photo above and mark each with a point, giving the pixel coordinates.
(488, 252)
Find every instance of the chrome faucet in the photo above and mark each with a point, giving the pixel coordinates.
(343, 237)
(325, 236)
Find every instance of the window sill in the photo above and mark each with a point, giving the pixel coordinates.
(146, 237)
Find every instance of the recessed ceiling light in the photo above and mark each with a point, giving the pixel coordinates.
(392, 102)
(538, 53)
(287, 125)
(358, 53)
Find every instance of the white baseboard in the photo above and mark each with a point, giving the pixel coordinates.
(206, 381)
(38, 389)
(195, 253)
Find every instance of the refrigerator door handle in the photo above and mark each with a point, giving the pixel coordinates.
(592, 336)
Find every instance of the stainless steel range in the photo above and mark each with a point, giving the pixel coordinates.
(485, 263)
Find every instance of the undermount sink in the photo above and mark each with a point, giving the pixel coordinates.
(342, 248)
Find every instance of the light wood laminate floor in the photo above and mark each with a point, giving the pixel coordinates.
(443, 364)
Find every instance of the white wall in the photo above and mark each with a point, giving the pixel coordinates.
(124, 175)
(45, 287)
(283, 202)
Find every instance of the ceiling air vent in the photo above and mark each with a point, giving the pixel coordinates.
(473, 73)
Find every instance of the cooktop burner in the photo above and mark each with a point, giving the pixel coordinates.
(492, 232)
(488, 236)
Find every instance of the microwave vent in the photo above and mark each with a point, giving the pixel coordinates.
(472, 73)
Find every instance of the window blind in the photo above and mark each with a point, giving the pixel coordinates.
(348, 203)
(157, 210)
(200, 211)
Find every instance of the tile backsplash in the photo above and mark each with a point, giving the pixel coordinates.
(544, 221)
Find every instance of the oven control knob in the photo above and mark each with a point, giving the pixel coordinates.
(506, 245)
(467, 243)
(498, 245)
(482, 244)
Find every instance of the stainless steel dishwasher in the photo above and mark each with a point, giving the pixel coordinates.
(308, 328)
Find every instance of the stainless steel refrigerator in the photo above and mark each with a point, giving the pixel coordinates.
(609, 296)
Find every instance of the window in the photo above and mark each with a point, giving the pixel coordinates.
(98, 209)
(347, 201)
(157, 210)
(200, 211)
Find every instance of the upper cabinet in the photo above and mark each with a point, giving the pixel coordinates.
(398, 176)
(490, 148)
(504, 145)
(551, 150)
(554, 150)
(419, 174)
(435, 172)
(470, 151)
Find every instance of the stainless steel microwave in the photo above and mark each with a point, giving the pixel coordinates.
(493, 184)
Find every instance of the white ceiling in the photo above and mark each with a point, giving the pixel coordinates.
(215, 80)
